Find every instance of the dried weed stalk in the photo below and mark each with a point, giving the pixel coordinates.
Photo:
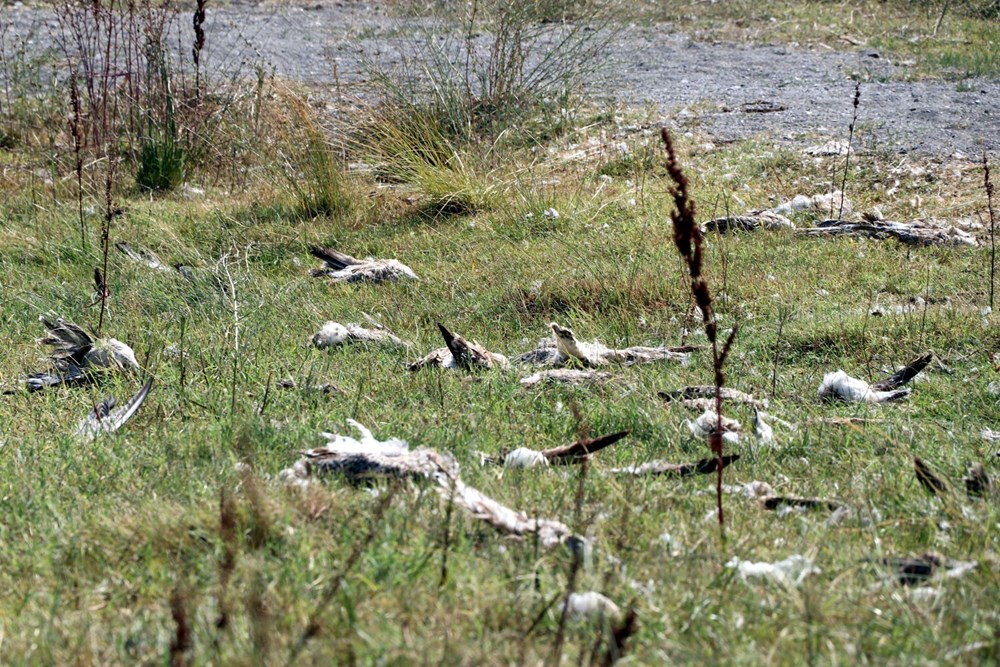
(180, 644)
(988, 186)
(690, 243)
(850, 145)
(198, 21)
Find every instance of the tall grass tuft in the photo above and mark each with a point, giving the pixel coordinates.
(408, 145)
(691, 245)
(482, 67)
(309, 164)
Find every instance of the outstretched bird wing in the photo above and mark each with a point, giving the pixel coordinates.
(105, 419)
(70, 344)
(466, 354)
(334, 260)
(904, 375)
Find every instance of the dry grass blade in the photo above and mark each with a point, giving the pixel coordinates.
(313, 627)
(928, 479)
(690, 244)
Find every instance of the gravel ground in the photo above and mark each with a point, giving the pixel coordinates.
(730, 91)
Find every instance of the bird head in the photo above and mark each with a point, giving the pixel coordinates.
(331, 334)
(562, 333)
(122, 355)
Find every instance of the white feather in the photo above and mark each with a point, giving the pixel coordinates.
(522, 457)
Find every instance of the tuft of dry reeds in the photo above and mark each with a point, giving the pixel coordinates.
(690, 244)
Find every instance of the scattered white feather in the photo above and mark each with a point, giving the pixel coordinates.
(791, 571)
(990, 435)
(821, 204)
(706, 423)
(752, 490)
(522, 457)
(590, 604)
(366, 444)
(761, 429)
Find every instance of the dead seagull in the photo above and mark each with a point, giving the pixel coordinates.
(461, 353)
(911, 571)
(333, 333)
(147, 258)
(577, 452)
(77, 357)
(360, 460)
(564, 346)
(839, 385)
(105, 418)
(343, 268)
(571, 376)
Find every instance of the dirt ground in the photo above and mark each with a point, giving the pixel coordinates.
(729, 91)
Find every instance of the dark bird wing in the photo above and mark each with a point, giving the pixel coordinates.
(105, 419)
(579, 450)
(911, 571)
(654, 468)
(903, 376)
(334, 260)
(928, 479)
(776, 502)
(466, 354)
(72, 374)
(69, 343)
(977, 482)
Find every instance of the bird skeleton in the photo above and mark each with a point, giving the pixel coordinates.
(77, 357)
(749, 222)
(106, 418)
(340, 267)
(565, 376)
(461, 353)
(362, 459)
(147, 258)
(839, 385)
(699, 397)
(564, 347)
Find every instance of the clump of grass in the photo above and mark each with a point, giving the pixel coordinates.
(309, 164)
(409, 146)
(496, 63)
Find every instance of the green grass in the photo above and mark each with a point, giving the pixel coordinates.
(96, 538)
(964, 45)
